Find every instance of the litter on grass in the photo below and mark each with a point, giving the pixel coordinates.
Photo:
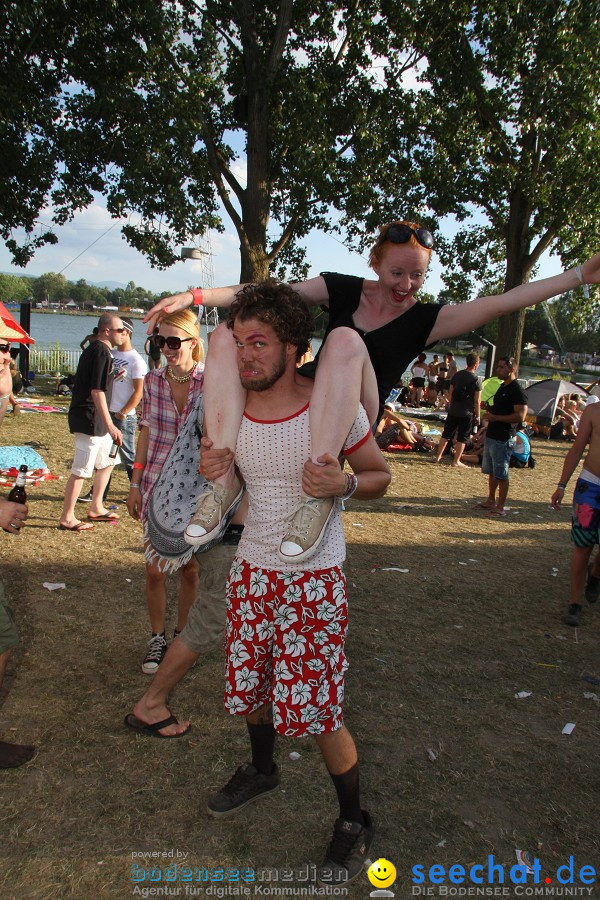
(54, 586)
(522, 694)
(589, 695)
(569, 728)
(294, 755)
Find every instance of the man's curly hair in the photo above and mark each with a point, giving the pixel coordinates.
(278, 305)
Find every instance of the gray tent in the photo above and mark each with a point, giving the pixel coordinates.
(543, 396)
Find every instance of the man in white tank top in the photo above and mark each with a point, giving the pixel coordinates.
(286, 622)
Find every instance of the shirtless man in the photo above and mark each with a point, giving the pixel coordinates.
(585, 522)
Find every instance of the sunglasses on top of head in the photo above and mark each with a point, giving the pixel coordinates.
(4, 348)
(400, 234)
(172, 342)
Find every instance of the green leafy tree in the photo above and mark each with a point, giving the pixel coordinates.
(14, 288)
(511, 134)
(50, 286)
(153, 103)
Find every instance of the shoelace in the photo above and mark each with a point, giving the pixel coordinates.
(303, 518)
(155, 648)
(207, 503)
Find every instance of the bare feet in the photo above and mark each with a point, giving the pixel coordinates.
(459, 465)
(14, 755)
(150, 714)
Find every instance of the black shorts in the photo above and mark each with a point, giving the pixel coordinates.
(462, 425)
(418, 382)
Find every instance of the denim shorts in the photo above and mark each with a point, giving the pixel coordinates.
(496, 457)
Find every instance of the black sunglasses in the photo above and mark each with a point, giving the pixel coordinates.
(400, 234)
(172, 342)
(118, 330)
(4, 348)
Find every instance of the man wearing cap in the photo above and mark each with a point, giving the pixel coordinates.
(91, 424)
(12, 517)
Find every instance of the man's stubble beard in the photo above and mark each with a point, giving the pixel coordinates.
(269, 380)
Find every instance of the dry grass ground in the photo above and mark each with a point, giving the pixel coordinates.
(437, 654)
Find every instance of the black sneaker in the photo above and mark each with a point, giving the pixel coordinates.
(573, 616)
(347, 852)
(157, 647)
(592, 588)
(242, 788)
(85, 498)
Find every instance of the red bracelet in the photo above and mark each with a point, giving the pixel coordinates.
(198, 296)
(138, 465)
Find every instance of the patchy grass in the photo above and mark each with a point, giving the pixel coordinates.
(453, 766)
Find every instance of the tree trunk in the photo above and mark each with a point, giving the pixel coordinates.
(518, 271)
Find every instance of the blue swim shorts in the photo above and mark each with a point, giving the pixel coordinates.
(585, 520)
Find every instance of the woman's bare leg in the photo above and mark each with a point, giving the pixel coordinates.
(224, 402)
(344, 376)
(224, 396)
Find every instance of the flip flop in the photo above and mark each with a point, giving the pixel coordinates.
(482, 506)
(497, 512)
(81, 526)
(105, 517)
(136, 724)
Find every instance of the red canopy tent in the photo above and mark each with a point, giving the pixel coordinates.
(10, 330)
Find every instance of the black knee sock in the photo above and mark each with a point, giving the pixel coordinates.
(262, 741)
(348, 791)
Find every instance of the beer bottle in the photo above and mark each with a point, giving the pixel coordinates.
(18, 493)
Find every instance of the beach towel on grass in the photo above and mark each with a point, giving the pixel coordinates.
(12, 458)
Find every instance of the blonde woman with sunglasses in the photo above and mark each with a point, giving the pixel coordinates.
(376, 328)
(170, 395)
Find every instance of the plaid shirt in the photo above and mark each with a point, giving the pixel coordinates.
(161, 416)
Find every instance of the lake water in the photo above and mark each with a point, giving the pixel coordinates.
(69, 331)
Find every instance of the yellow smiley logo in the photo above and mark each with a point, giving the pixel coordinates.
(381, 873)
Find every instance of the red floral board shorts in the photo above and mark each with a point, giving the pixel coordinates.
(285, 644)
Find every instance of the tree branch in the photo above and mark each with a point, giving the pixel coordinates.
(284, 20)
(285, 236)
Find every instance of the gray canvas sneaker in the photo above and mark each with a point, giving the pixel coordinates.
(214, 509)
(307, 529)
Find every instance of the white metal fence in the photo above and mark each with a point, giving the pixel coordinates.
(50, 361)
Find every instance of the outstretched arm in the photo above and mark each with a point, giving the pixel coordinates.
(314, 291)
(464, 317)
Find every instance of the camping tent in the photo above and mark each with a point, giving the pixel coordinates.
(543, 396)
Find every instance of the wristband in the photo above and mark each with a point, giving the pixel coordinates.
(134, 484)
(350, 487)
(579, 273)
(198, 296)
(138, 465)
(562, 485)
